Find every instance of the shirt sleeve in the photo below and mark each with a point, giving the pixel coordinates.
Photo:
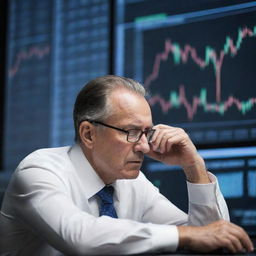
(206, 204)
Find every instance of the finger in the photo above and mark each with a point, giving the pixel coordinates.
(243, 237)
(156, 133)
(160, 137)
(161, 141)
(171, 138)
(235, 231)
(163, 137)
(158, 128)
(178, 137)
(228, 245)
(156, 139)
(237, 245)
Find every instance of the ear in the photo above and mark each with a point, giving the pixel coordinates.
(87, 132)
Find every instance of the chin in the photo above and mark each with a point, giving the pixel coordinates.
(131, 174)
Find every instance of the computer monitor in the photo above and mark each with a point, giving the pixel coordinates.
(197, 60)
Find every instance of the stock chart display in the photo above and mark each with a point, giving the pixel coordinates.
(198, 68)
(197, 60)
(206, 77)
(54, 48)
(28, 91)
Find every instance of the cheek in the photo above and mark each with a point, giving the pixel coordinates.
(115, 153)
(119, 153)
(113, 150)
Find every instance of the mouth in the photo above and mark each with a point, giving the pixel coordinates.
(138, 159)
(135, 162)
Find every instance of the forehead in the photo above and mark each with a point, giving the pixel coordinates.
(129, 108)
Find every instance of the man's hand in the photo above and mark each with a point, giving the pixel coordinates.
(172, 146)
(217, 235)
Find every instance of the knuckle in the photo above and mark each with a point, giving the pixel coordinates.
(240, 229)
(165, 136)
(181, 130)
(223, 222)
(186, 136)
(226, 242)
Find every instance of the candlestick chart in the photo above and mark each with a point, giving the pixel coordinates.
(203, 72)
(211, 57)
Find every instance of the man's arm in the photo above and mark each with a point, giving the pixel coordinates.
(173, 146)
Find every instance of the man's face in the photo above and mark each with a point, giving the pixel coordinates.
(113, 156)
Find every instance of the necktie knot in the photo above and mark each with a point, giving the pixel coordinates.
(107, 205)
(106, 194)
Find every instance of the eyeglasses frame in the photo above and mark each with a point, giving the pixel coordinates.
(125, 131)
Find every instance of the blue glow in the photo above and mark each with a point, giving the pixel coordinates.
(227, 152)
(157, 166)
(231, 184)
(252, 183)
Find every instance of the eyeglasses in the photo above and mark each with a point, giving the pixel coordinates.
(133, 135)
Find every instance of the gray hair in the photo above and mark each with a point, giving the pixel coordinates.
(92, 101)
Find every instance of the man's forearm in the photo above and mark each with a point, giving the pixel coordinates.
(196, 172)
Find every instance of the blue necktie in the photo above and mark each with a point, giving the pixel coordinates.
(107, 205)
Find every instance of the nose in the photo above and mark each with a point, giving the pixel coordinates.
(142, 145)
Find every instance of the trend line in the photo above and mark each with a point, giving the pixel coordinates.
(175, 100)
(211, 56)
(25, 55)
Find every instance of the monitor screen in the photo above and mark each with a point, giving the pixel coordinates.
(197, 61)
(54, 48)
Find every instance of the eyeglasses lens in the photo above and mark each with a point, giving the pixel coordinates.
(135, 135)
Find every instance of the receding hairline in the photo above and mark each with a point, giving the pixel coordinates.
(118, 91)
(119, 84)
(125, 83)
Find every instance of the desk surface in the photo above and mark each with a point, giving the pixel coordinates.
(214, 253)
(182, 253)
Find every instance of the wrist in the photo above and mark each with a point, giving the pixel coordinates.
(184, 237)
(196, 171)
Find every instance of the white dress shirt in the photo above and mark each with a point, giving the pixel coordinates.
(50, 208)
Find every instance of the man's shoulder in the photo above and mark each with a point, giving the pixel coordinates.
(51, 151)
(48, 152)
(45, 156)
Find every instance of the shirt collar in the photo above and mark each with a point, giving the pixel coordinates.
(88, 177)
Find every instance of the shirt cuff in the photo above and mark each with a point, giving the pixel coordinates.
(203, 194)
(165, 238)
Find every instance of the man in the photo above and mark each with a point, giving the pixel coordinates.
(53, 204)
